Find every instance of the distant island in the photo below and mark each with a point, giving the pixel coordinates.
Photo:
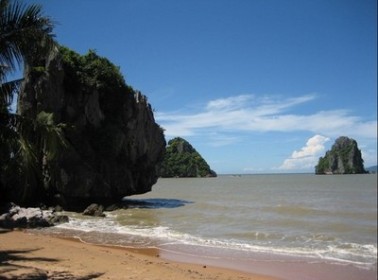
(182, 160)
(372, 169)
(343, 158)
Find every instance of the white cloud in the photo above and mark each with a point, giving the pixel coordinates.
(229, 103)
(248, 113)
(307, 156)
(219, 140)
(369, 156)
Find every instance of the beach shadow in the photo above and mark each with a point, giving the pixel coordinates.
(155, 203)
(19, 255)
(10, 268)
(68, 276)
(11, 265)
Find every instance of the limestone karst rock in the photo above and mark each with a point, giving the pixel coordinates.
(343, 158)
(115, 144)
(182, 160)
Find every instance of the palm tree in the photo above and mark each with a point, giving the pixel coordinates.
(25, 37)
(24, 34)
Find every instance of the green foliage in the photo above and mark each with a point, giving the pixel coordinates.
(29, 153)
(323, 166)
(182, 160)
(25, 33)
(51, 135)
(25, 37)
(91, 72)
(101, 73)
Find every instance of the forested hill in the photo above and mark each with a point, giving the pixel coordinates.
(182, 160)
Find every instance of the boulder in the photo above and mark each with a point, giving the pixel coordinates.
(59, 219)
(114, 207)
(94, 210)
(14, 216)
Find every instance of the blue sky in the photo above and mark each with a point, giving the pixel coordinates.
(256, 86)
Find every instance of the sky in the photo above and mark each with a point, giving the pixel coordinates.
(256, 86)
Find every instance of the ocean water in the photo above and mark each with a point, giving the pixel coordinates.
(321, 219)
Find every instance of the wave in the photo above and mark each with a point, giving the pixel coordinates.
(317, 246)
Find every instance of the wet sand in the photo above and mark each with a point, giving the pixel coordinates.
(24, 255)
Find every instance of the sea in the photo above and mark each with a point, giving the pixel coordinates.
(322, 225)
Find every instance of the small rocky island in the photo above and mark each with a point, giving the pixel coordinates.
(343, 158)
(182, 160)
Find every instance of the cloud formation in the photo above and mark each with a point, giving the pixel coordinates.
(307, 156)
(248, 113)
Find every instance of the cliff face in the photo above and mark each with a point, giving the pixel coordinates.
(182, 160)
(114, 143)
(343, 158)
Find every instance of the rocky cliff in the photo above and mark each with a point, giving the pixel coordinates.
(182, 160)
(343, 158)
(114, 143)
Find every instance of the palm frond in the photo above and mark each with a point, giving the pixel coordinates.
(20, 25)
(25, 38)
(8, 90)
(51, 135)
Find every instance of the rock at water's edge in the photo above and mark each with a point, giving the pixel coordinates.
(115, 143)
(182, 160)
(94, 210)
(14, 216)
(343, 158)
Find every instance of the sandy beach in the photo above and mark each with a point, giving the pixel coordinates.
(25, 255)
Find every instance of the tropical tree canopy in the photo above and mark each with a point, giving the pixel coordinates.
(25, 34)
(25, 37)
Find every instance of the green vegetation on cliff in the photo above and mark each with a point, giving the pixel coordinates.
(343, 158)
(182, 160)
(115, 143)
(81, 134)
(87, 73)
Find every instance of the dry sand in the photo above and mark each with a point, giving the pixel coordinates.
(25, 255)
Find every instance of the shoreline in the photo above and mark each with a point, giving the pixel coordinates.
(26, 254)
(276, 265)
(147, 262)
(281, 267)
